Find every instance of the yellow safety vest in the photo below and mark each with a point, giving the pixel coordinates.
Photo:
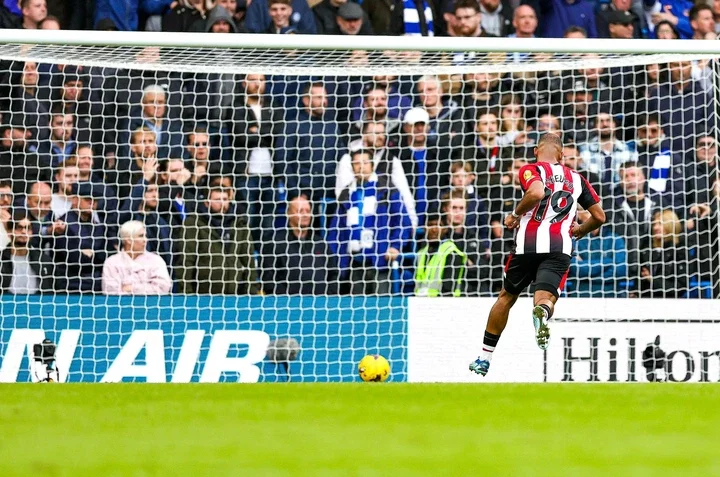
(429, 273)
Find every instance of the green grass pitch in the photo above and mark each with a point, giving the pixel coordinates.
(359, 430)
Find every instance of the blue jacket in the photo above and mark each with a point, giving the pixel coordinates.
(679, 8)
(307, 154)
(257, 18)
(558, 15)
(392, 229)
(600, 262)
(170, 138)
(74, 271)
(124, 13)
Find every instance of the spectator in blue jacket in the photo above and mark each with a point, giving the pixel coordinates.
(370, 228)
(81, 244)
(556, 16)
(599, 264)
(124, 13)
(673, 11)
(309, 148)
(257, 18)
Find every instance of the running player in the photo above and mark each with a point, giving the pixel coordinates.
(545, 219)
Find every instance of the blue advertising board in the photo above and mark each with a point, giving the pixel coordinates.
(182, 338)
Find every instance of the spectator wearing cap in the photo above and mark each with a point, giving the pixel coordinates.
(556, 16)
(374, 139)
(341, 17)
(296, 260)
(134, 270)
(579, 111)
(497, 17)
(24, 268)
(216, 254)
(153, 114)
(18, 162)
(309, 147)
(62, 142)
(21, 104)
(80, 243)
(620, 14)
(259, 20)
(673, 11)
(33, 12)
(427, 166)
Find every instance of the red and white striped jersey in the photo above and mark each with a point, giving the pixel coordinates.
(546, 228)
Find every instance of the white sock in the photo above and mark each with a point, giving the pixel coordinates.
(486, 353)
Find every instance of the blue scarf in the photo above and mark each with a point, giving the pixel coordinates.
(361, 215)
(411, 17)
(421, 201)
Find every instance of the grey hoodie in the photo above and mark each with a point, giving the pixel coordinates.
(219, 13)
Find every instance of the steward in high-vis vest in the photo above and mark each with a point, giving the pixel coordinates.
(440, 266)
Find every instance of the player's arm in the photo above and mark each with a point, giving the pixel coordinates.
(532, 184)
(590, 202)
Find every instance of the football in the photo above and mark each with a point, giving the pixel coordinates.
(374, 368)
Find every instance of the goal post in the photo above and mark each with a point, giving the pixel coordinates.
(284, 184)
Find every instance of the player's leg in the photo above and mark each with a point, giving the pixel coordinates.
(549, 283)
(518, 276)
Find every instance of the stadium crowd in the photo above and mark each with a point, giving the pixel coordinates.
(147, 182)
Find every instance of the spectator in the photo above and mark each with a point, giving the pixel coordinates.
(20, 101)
(124, 14)
(24, 268)
(483, 150)
(385, 161)
(65, 176)
(281, 12)
(700, 173)
(81, 243)
(61, 144)
(621, 24)
(599, 267)
(481, 94)
(370, 229)
(672, 11)
(375, 109)
(556, 16)
(470, 239)
(177, 196)
(33, 12)
(259, 20)
(85, 162)
(604, 153)
(297, 261)
(38, 205)
(573, 159)
(546, 123)
(197, 153)
(684, 105)
(427, 167)
(579, 112)
(153, 114)
(512, 121)
(575, 33)
(309, 147)
(6, 201)
(524, 23)
(445, 114)
(129, 170)
(716, 14)
(219, 20)
(134, 270)
(216, 250)
(413, 18)
(341, 17)
(620, 12)
(659, 164)
(702, 22)
(496, 17)
(469, 20)
(187, 15)
(665, 30)
(257, 123)
(462, 179)
(440, 264)
(397, 103)
(69, 95)
(664, 273)
(18, 163)
(142, 205)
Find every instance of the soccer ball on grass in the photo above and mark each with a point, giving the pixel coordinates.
(374, 367)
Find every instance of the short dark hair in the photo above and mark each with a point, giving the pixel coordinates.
(284, 2)
(313, 84)
(5, 183)
(218, 189)
(575, 29)
(17, 216)
(49, 18)
(368, 123)
(466, 4)
(649, 118)
(697, 8)
(59, 110)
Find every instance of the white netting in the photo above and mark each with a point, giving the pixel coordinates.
(208, 148)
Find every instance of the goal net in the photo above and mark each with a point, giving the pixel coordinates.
(226, 207)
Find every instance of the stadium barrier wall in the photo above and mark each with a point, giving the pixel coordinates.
(592, 340)
(201, 338)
